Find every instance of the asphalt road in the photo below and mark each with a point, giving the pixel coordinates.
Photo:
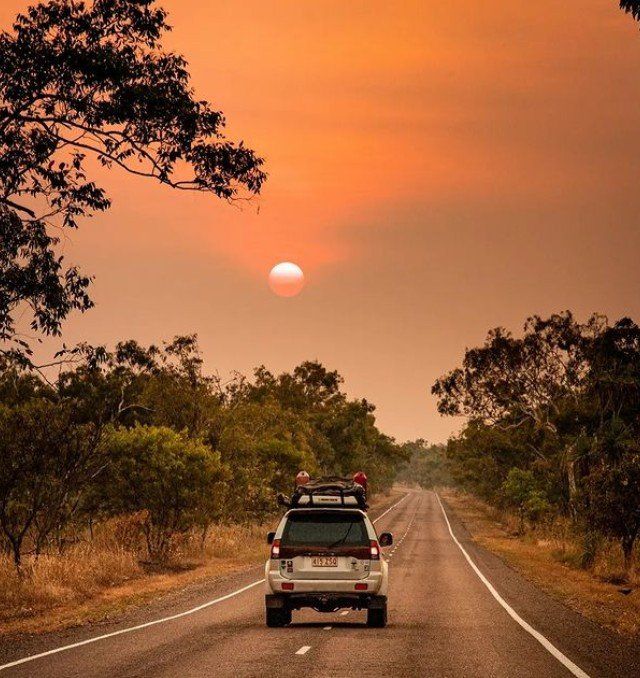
(444, 620)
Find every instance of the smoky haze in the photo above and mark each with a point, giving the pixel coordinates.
(436, 169)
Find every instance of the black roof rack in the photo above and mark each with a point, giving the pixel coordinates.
(327, 492)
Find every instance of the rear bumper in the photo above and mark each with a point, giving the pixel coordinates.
(274, 585)
(325, 602)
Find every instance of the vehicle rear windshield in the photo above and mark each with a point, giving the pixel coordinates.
(325, 529)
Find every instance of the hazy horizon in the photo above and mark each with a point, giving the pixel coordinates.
(436, 170)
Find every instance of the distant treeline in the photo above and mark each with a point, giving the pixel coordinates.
(144, 431)
(553, 425)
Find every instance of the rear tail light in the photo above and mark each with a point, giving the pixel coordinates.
(287, 586)
(275, 549)
(361, 587)
(375, 550)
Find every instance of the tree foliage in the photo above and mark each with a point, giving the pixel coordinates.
(83, 82)
(167, 476)
(631, 7)
(611, 490)
(520, 491)
(512, 381)
(426, 465)
(154, 436)
(47, 461)
(554, 418)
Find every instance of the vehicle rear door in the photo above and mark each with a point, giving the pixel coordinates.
(331, 544)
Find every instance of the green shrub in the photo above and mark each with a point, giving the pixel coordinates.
(520, 492)
(170, 477)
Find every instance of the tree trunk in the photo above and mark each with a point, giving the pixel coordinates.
(16, 548)
(627, 550)
(203, 535)
(570, 465)
(571, 478)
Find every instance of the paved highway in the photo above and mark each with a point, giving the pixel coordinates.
(454, 610)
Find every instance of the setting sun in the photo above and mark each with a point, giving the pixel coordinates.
(286, 279)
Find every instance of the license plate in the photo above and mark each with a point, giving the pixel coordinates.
(324, 561)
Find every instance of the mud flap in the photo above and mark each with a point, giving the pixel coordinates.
(377, 602)
(272, 601)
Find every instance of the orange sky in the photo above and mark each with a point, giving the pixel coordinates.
(436, 168)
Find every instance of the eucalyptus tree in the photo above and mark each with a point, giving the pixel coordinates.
(612, 485)
(82, 82)
(47, 463)
(536, 381)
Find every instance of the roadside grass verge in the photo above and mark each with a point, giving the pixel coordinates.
(553, 557)
(105, 574)
(97, 579)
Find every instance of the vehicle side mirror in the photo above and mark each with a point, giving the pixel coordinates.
(386, 539)
(270, 537)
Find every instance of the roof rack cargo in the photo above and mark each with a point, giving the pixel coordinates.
(330, 491)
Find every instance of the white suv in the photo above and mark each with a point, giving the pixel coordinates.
(326, 559)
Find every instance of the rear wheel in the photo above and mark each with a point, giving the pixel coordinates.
(377, 617)
(278, 616)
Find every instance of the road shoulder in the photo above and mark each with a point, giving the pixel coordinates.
(596, 649)
(608, 604)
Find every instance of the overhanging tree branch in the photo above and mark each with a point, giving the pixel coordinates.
(92, 79)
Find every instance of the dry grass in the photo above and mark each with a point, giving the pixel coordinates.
(99, 577)
(554, 558)
(54, 580)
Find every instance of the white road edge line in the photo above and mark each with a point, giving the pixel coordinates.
(24, 660)
(129, 629)
(304, 649)
(548, 646)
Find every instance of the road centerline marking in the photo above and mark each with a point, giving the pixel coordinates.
(382, 515)
(547, 644)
